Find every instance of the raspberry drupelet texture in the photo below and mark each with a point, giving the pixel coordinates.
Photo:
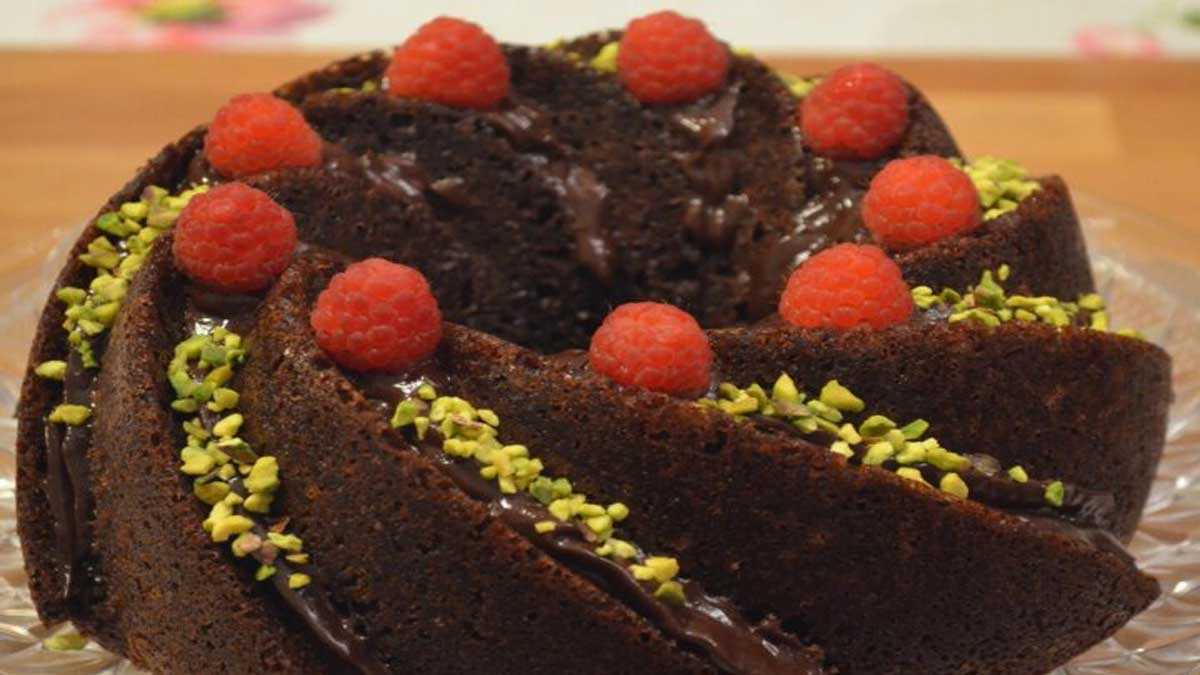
(846, 286)
(859, 111)
(668, 58)
(253, 133)
(654, 346)
(234, 238)
(920, 200)
(377, 316)
(452, 62)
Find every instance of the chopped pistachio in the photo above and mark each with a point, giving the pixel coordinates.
(953, 484)
(264, 572)
(1017, 473)
(618, 511)
(878, 453)
(672, 592)
(1054, 494)
(259, 502)
(52, 370)
(841, 448)
(836, 396)
(298, 580)
(70, 414)
(545, 526)
(406, 413)
(285, 542)
(605, 60)
(245, 544)
(228, 426)
(914, 429)
(911, 474)
(212, 492)
(785, 390)
(230, 526)
(65, 642)
(876, 426)
(264, 476)
(664, 568)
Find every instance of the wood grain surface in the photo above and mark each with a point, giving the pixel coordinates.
(74, 126)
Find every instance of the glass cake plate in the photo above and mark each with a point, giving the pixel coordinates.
(1144, 290)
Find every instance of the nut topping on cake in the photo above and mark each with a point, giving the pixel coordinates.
(452, 62)
(377, 315)
(846, 286)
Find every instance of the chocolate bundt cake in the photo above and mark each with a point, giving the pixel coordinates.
(336, 383)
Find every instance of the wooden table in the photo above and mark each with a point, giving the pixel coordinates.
(74, 126)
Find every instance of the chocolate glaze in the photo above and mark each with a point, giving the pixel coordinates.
(708, 624)
(395, 172)
(310, 603)
(67, 484)
(710, 119)
(582, 196)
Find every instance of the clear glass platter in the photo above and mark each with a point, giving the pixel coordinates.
(1146, 292)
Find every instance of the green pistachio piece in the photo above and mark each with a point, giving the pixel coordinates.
(953, 484)
(912, 453)
(210, 493)
(1099, 321)
(605, 60)
(245, 544)
(264, 572)
(52, 370)
(406, 413)
(600, 525)
(1092, 302)
(545, 526)
(875, 426)
(297, 558)
(841, 448)
(618, 511)
(285, 542)
(228, 426)
(259, 502)
(878, 453)
(664, 568)
(230, 526)
(1017, 473)
(671, 592)
(1054, 494)
(70, 414)
(833, 394)
(264, 476)
(785, 390)
(911, 474)
(914, 429)
(185, 405)
(65, 642)
(69, 295)
(945, 459)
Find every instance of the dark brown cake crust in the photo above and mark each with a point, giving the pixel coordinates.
(1077, 405)
(887, 576)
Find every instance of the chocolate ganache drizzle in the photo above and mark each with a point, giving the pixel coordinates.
(708, 624)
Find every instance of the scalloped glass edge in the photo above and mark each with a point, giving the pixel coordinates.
(1143, 291)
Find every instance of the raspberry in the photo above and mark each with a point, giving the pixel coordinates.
(857, 112)
(919, 200)
(452, 62)
(377, 315)
(234, 238)
(668, 58)
(845, 286)
(654, 346)
(253, 133)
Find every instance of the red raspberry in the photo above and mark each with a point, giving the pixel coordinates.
(654, 346)
(845, 286)
(857, 112)
(253, 133)
(668, 58)
(234, 238)
(919, 200)
(452, 62)
(377, 315)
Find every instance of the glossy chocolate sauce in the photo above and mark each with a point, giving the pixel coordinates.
(708, 624)
(67, 484)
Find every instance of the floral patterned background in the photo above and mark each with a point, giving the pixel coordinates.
(1086, 28)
